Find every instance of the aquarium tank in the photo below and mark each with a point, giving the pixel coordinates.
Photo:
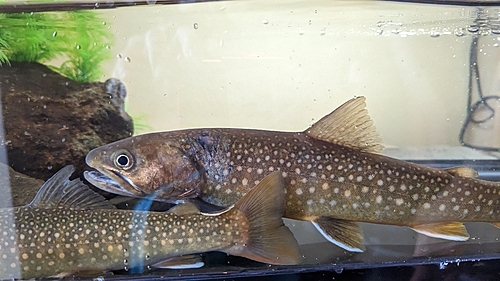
(346, 140)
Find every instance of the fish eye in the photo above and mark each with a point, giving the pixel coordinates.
(123, 160)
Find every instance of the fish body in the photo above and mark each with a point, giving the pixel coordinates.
(334, 176)
(68, 229)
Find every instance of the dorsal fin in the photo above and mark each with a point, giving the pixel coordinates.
(348, 125)
(59, 191)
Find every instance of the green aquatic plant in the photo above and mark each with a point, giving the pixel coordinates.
(80, 38)
(140, 125)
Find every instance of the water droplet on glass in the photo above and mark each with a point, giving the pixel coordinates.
(108, 47)
(78, 47)
(195, 25)
(265, 21)
(147, 257)
(119, 56)
(54, 34)
(63, 139)
(125, 261)
(127, 59)
(495, 45)
(49, 168)
(97, 5)
(125, 268)
(44, 106)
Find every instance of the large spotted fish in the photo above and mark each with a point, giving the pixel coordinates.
(334, 176)
(68, 229)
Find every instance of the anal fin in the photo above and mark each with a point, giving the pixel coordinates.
(455, 231)
(345, 234)
(181, 262)
(186, 208)
(496, 224)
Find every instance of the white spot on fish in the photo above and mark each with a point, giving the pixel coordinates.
(311, 189)
(298, 191)
(399, 201)
(442, 207)
(347, 193)
(427, 206)
(378, 199)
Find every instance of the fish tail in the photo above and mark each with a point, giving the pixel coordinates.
(260, 212)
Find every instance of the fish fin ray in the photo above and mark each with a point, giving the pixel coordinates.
(454, 231)
(268, 240)
(181, 262)
(348, 125)
(186, 208)
(462, 171)
(59, 191)
(345, 234)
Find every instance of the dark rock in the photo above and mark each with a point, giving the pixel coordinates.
(51, 121)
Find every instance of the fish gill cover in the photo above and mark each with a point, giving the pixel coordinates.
(80, 38)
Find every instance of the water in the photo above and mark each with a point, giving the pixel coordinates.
(277, 65)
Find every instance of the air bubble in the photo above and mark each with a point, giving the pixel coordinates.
(442, 265)
(265, 21)
(78, 47)
(459, 32)
(151, 2)
(54, 34)
(435, 34)
(119, 56)
(473, 29)
(302, 32)
(127, 59)
(63, 140)
(195, 25)
(339, 270)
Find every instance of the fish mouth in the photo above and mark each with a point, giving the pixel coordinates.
(117, 184)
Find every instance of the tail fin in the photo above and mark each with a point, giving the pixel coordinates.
(268, 240)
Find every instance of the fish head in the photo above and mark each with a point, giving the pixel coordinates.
(144, 166)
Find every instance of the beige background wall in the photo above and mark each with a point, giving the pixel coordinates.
(283, 64)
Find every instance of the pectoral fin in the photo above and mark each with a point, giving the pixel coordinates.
(455, 231)
(181, 262)
(345, 234)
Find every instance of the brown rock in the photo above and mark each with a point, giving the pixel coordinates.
(51, 121)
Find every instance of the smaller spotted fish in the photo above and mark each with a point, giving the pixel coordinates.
(70, 230)
(333, 171)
